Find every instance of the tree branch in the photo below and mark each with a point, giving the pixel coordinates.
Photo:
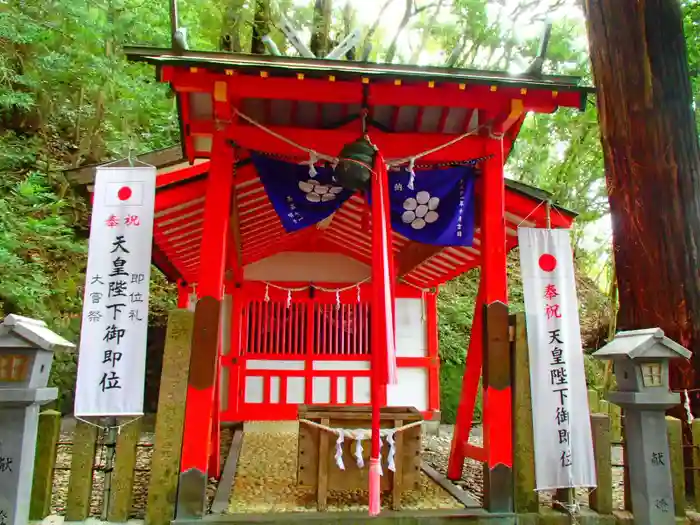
(426, 33)
(407, 14)
(373, 28)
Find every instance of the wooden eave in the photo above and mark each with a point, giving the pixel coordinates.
(257, 232)
(321, 68)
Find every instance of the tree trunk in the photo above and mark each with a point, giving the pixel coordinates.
(261, 26)
(425, 34)
(366, 48)
(407, 14)
(652, 162)
(320, 45)
(231, 26)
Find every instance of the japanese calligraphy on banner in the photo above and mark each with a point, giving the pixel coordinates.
(112, 358)
(561, 419)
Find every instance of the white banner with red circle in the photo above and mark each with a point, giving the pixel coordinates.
(560, 414)
(112, 352)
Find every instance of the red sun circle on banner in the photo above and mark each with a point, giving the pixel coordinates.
(124, 193)
(548, 262)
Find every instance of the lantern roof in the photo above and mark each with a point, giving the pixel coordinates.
(17, 331)
(649, 343)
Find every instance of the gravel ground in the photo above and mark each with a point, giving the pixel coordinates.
(436, 451)
(141, 477)
(266, 477)
(266, 482)
(61, 477)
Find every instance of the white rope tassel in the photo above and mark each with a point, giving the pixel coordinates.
(381, 471)
(392, 451)
(339, 449)
(267, 293)
(313, 159)
(358, 294)
(337, 299)
(686, 405)
(358, 453)
(289, 299)
(412, 173)
(422, 305)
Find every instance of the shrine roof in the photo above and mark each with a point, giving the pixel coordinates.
(322, 104)
(257, 232)
(321, 68)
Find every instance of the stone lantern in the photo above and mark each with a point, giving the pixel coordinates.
(640, 361)
(26, 354)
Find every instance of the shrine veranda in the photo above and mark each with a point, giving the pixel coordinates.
(293, 307)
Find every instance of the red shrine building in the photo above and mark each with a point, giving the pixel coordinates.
(293, 307)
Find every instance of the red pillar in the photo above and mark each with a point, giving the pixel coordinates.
(201, 415)
(497, 423)
(433, 353)
(470, 388)
(183, 294)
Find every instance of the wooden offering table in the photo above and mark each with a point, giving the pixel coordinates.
(316, 466)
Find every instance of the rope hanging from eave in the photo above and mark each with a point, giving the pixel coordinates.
(315, 155)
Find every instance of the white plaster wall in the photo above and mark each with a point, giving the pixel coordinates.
(274, 364)
(340, 365)
(309, 267)
(411, 340)
(410, 390)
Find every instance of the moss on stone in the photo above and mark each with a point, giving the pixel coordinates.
(162, 489)
(80, 484)
(44, 463)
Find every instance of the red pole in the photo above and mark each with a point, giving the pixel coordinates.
(382, 319)
(470, 387)
(183, 294)
(201, 414)
(431, 325)
(498, 443)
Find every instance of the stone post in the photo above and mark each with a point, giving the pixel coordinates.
(44, 463)
(165, 464)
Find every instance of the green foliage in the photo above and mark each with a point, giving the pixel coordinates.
(691, 23)
(68, 97)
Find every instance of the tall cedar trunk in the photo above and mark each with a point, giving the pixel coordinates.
(652, 165)
(261, 26)
(320, 44)
(231, 26)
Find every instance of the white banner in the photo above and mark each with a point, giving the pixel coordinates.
(112, 353)
(560, 415)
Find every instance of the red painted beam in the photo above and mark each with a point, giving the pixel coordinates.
(524, 206)
(330, 142)
(169, 198)
(472, 96)
(184, 232)
(163, 263)
(421, 93)
(474, 452)
(179, 175)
